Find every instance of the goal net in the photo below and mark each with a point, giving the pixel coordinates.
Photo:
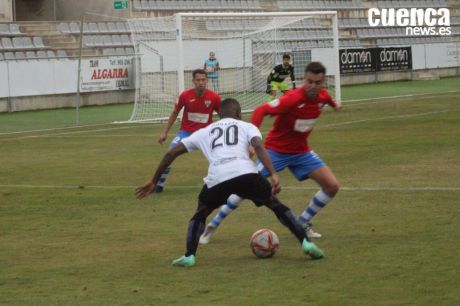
(247, 47)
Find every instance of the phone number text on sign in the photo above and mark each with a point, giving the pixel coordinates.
(107, 74)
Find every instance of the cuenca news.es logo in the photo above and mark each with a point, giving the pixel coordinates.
(418, 22)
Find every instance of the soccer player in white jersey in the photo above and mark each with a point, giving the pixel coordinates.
(225, 145)
(287, 144)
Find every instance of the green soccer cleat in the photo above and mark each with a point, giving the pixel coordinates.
(184, 261)
(311, 249)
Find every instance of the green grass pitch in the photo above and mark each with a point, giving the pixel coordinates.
(72, 233)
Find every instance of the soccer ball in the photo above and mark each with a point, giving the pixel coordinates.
(264, 243)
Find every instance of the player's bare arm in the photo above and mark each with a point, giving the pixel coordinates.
(259, 114)
(171, 120)
(337, 107)
(144, 190)
(262, 154)
(272, 108)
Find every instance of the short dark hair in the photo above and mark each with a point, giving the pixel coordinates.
(230, 107)
(229, 102)
(285, 55)
(198, 71)
(315, 68)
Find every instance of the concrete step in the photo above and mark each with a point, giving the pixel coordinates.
(269, 5)
(453, 3)
(60, 38)
(38, 22)
(346, 34)
(40, 33)
(64, 45)
(64, 42)
(37, 27)
(426, 75)
(85, 52)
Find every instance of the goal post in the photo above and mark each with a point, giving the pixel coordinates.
(247, 46)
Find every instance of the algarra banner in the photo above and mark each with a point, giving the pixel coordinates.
(107, 74)
(375, 59)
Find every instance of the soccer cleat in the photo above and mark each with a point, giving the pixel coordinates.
(309, 248)
(184, 261)
(206, 236)
(309, 231)
(312, 234)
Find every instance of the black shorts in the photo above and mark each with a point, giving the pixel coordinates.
(252, 186)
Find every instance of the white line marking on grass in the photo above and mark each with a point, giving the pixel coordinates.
(381, 188)
(54, 129)
(347, 105)
(64, 128)
(66, 134)
(396, 97)
(385, 118)
(99, 136)
(347, 102)
(323, 126)
(91, 131)
(86, 187)
(401, 189)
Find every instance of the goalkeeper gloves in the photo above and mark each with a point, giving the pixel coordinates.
(269, 89)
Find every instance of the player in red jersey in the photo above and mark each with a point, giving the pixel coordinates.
(296, 113)
(198, 103)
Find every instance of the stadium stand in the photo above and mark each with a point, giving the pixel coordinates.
(9, 56)
(204, 5)
(411, 3)
(355, 30)
(309, 33)
(248, 25)
(101, 34)
(21, 45)
(113, 37)
(319, 5)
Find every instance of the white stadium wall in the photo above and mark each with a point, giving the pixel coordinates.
(59, 76)
(435, 56)
(36, 78)
(4, 83)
